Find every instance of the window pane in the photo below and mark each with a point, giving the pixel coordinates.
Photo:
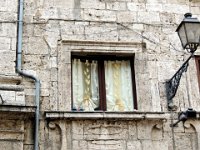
(85, 85)
(119, 93)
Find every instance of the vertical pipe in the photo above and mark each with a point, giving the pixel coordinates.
(25, 74)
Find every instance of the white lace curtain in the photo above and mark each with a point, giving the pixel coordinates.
(85, 85)
(119, 93)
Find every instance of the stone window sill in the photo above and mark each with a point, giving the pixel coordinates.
(107, 115)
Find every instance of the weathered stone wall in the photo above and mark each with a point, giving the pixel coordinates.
(8, 32)
(48, 23)
(50, 28)
(119, 135)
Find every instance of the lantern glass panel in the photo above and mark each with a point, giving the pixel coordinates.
(182, 35)
(193, 32)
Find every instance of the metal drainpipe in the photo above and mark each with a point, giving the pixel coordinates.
(25, 74)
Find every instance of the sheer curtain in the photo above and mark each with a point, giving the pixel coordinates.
(85, 85)
(119, 93)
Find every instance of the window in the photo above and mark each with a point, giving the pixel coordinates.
(104, 83)
(197, 58)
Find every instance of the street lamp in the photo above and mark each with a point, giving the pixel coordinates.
(189, 34)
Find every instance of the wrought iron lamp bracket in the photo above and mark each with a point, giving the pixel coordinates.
(173, 83)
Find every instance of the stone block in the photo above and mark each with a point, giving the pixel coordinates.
(148, 17)
(37, 46)
(37, 30)
(53, 96)
(132, 6)
(72, 30)
(13, 44)
(64, 4)
(144, 100)
(158, 145)
(6, 135)
(165, 70)
(77, 130)
(154, 7)
(105, 131)
(8, 16)
(8, 30)
(53, 61)
(5, 43)
(79, 144)
(64, 82)
(167, 18)
(139, 27)
(44, 104)
(175, 8)
(132, 130)
(54, 13)
(195, 10)
(129, 35)
(147, 144)
(11, 125)
(11, 6)
(106, 145)
(3, 6)
(126, 16)
(74, 37)
(92, 4)
(156, 1)
(7, 68)
(185, 141)
(54, 74)
(144, 129)
(98, 15)
(116, 6)
(97, 32)
(44, 92)
(28, 147)
(116, 0)
(30, 100)
(34, 62)
(7, 97)
(20, 98)
(179, 2)
(134, 145)
(8, 145)
(155, 98)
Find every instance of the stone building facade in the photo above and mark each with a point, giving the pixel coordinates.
(54, 30)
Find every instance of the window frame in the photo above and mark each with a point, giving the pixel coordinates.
(197, 60)
(100, 58)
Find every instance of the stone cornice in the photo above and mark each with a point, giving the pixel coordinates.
(107, 115)
(16, 112)
(11, 79)
(125, 47)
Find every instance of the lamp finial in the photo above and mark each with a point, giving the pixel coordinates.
(188, 15)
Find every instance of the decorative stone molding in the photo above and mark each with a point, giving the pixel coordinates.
(67, 48)
(60, 125)
(11, 92)
(107, 115)
(10, 79)
(16, 112)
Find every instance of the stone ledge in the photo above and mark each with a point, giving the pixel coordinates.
(16, 112)
(15, 79)
(7, 87)
(11, 108)
(107, 115)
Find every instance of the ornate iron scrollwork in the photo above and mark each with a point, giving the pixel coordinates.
(173, 83)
